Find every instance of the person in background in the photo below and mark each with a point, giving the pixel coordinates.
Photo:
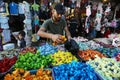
(20, 39)
(56, 26)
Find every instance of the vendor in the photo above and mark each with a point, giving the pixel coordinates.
(54, 27)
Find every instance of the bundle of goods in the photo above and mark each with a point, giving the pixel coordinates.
(63, 38)
(72, 46)
(93, 45)
(61, 47)
(105, 45)
(31, 61)
(110, 52)
(90, 54)
(62, 57)
(82, 46)
(107, 68)
(118, 57)
(21, 74)
(80, 39)
(47, 49)
(74, 71)
(6, 65)
(28, 49)
(115, 39)
(9, 53)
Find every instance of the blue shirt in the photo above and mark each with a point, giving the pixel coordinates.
(13, 8)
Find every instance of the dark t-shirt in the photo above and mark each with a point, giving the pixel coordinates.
(54, 28)
(22, 43)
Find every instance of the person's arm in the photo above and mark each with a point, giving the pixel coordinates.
(67, 33)
(42, 33)
(55, 37)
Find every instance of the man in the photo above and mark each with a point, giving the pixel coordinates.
(54, 27)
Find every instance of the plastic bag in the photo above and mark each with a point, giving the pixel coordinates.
(72, 46)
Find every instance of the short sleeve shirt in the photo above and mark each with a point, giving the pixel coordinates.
(55, 28)
(35, 7)
(13, 8)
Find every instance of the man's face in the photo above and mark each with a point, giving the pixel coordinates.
(57, 16)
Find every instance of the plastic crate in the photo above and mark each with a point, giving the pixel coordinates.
(99, 77)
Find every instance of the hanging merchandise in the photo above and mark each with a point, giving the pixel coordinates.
(35, 8)
(36, 25)
(4, 26)
(98, 20)
(87, 24)
(73, 4)
(108, 9)
(3, 19)
(57, 1)
(28, 24)
(114, 21)
(78, 3)
(36, 22)
(94, 7)
(43, 7)
(7, 36)
(13, 8)
(27, 7)
(1, 46)
(2, 7)
(4, 22)
(21, 8)
(87, 21)
(100, 7)
(45, 2)
(28, 27)
(88, 10)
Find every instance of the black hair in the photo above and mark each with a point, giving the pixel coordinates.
(22, 33)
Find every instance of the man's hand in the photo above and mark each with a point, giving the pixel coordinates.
(56, 38)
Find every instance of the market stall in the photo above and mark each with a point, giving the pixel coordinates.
(94, 56)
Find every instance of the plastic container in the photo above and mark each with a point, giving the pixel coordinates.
(9, 46)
